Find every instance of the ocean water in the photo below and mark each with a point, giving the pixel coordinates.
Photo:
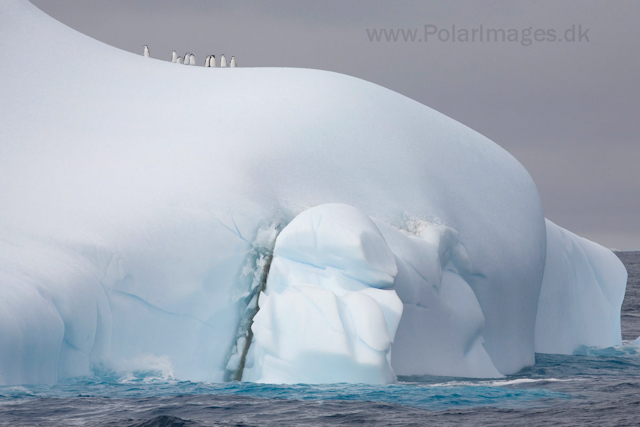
(597, 387)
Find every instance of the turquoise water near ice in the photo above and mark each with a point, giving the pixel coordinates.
(593, 386)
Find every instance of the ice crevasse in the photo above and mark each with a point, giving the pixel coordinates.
(313, 228)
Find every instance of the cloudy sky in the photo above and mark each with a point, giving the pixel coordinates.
(568, 110)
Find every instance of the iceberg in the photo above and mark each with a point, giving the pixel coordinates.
(582, 291)
(313, 227)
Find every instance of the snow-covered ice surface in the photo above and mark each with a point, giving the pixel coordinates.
(132, 192)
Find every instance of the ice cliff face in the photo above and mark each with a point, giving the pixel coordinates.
(328, 313)
(130, 221)
(582, 291)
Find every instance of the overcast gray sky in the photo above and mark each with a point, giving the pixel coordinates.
(569, 111)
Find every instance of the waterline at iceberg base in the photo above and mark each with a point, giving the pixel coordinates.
(313, 227)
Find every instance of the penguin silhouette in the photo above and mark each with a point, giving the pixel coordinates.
(233, 62)
(192, 59)
(207, 61)
(212, 62)
(223, 61)
(180, 60)
(174, 56)
(146, 51)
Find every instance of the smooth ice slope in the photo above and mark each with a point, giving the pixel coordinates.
(581, 297)
(130, 203)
